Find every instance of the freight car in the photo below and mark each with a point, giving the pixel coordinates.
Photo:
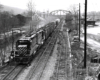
(27, 46)
(57, 21)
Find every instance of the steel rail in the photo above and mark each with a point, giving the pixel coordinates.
(43, 58)
(31, 73)
(46, 60)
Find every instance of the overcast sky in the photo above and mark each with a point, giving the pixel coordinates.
(44, 5)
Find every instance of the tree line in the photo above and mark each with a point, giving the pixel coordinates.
(9, 21)
(71, 21)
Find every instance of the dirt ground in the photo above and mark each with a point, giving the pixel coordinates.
(78, 59)
(48, 72)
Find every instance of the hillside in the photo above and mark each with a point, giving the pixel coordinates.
(13, 9)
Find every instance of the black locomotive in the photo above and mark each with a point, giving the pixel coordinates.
(27, 46)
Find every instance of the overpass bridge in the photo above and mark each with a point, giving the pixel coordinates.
(59, 13)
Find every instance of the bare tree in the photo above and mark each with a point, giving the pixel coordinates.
(74, 10)
(5, 25)
(68, 20)
(4, 18)
(92, 15)
(31, 13)
(31, 8)
(1, 7)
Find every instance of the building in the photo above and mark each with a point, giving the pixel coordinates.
(89, 22)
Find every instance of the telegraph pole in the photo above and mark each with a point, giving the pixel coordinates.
(85, 35)
(79, 21)
(12, 33)
(44, 14)
(12, 40)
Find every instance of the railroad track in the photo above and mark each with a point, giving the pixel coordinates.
(38, 69)
(61, 67)
(61, 60)
(8, 72)
(4, 71)
(11, 71)
(14, 73)
(60, 72)
(51, 45)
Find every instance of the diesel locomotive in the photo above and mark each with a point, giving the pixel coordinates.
(27, 46)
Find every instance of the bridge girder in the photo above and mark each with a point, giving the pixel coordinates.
(59, 11)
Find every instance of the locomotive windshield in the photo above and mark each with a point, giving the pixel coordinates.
(23, 43)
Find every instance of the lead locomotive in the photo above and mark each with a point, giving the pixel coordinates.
(27, 46)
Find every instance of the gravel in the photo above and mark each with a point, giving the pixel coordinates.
(50, 66)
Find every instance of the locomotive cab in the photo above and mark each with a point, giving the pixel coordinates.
(22, 44)
(26, 48)
(22, 51)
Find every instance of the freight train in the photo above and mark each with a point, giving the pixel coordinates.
(27, 46)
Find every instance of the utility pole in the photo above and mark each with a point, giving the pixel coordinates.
(12, 39)
(79, 22)
(43, 14)
(31, 9)
(12, 25)
(85, 36)
(31, 17)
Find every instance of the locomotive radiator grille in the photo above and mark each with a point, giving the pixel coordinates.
(22, 51)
